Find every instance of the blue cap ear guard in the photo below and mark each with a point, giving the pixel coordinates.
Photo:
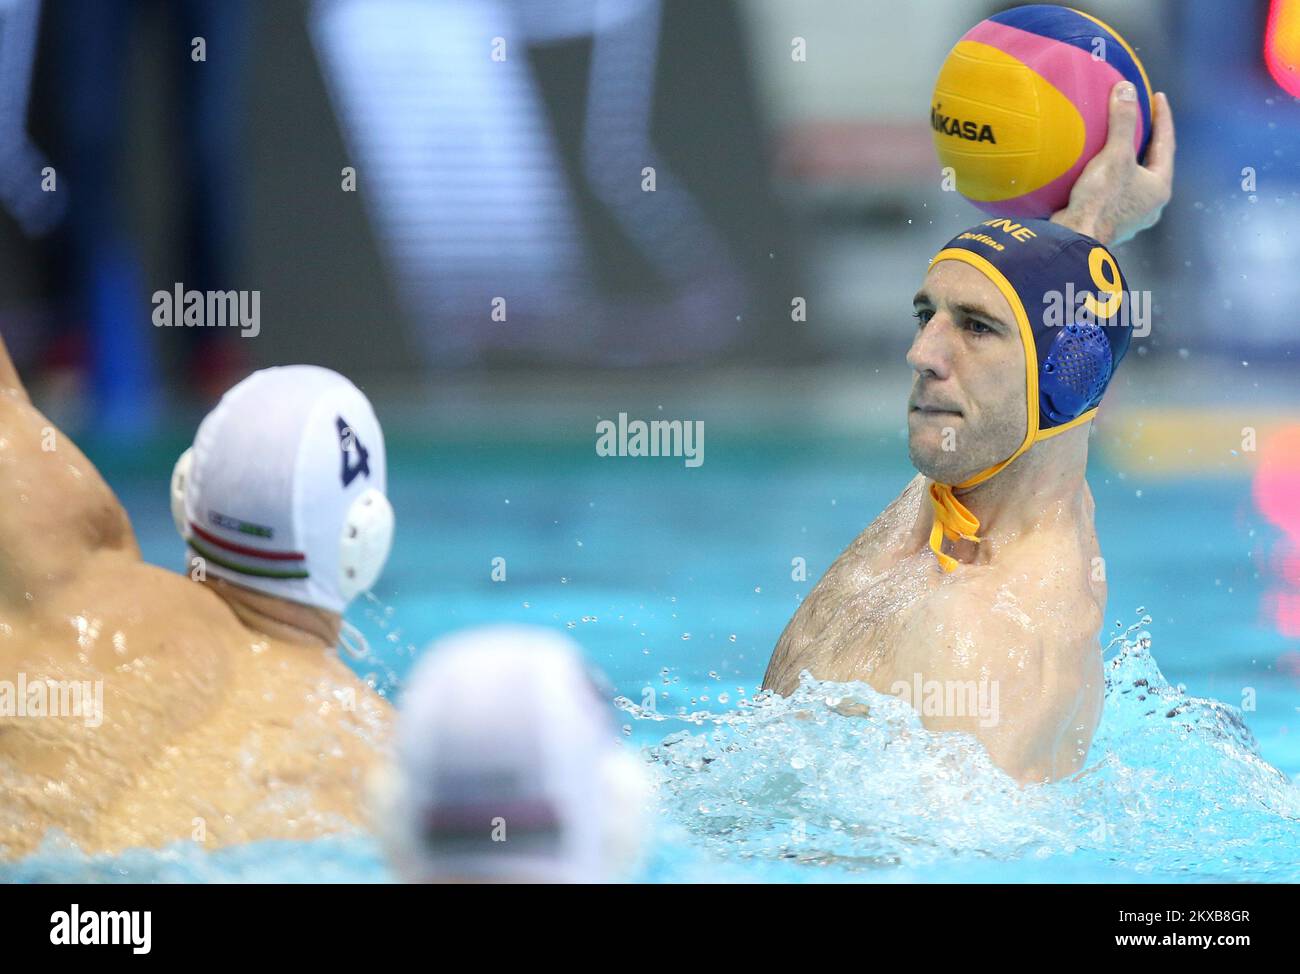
(1074, 372)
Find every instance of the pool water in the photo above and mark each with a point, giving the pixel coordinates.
(677, 583)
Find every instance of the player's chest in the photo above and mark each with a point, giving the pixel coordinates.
(886, 623)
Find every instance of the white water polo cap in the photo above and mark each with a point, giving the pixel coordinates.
(284, 488)
(509, 767)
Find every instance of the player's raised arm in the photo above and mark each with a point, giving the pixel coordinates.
(10, 384)
(55, 509)
(1033, 699)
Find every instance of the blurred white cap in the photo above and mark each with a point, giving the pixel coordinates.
(509, 767)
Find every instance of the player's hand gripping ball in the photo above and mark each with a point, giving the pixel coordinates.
(1021, 106)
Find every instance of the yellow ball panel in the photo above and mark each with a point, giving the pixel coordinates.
(1002, 127)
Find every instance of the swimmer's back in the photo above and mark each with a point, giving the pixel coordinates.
(205, 728)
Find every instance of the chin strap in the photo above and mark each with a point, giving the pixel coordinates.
(952, 520)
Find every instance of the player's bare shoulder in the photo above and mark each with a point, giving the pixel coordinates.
(876, 547)
(844, 586)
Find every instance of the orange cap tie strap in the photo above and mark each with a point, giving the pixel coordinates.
(952, 520)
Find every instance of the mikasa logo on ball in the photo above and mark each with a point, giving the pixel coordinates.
(973, 131)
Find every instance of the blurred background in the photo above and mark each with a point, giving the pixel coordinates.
(518, 175)
(445, 200)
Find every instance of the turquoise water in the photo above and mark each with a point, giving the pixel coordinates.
(679, 580)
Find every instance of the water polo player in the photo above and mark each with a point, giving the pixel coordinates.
(225, 712)
(985, 572)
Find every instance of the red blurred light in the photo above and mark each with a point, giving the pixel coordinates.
(1276, 491)
(1282, 45)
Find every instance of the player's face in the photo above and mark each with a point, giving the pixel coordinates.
(967, 408)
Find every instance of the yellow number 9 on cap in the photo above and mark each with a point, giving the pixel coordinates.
(1106, 279)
